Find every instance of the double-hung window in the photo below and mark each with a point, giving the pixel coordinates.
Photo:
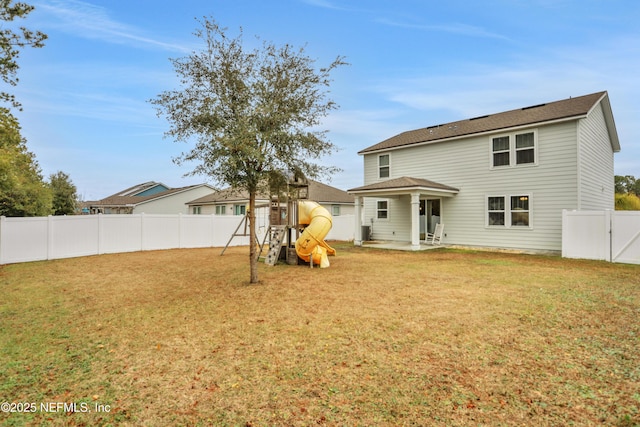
(510, 211)
(501, 152)
(525, 148)
(520, 211)
(382, 209)
(383, 166)
(496, 211)
(515, 149)
(221, 209)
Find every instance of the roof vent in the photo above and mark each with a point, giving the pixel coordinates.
(534, 106)
(479, 117)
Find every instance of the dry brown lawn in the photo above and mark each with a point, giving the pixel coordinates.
(443, 338)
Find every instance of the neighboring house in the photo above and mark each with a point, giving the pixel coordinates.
(151, 198)
(233, 202)
(499, 180)
(225, 202)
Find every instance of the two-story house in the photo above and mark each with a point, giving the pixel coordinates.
(498, 180)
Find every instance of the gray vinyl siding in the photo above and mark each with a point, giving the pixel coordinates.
(596, 189)
(466, 164)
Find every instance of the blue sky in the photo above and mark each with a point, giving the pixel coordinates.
(414, 63)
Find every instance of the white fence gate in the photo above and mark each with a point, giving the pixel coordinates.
(612, 236)
(53, 237)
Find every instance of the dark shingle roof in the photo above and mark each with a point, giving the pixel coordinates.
(140, 188)
(567, 108)
(117, 200)
(227, 195)
(404, 182)
(318, 192)
(324, 193)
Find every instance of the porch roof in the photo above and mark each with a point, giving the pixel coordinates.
(404, 185)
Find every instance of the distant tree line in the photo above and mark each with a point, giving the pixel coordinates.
(627, 191)
(23, 190)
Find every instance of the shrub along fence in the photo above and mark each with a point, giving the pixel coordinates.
(53, 237)
(612, 236)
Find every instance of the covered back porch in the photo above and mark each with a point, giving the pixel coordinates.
(424, 203)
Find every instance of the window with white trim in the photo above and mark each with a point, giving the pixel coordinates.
(335, 210)
(239, 209)
(525, 148)
(382, 209)
(221, 209)
(197, 210)
(501, 152)
(496, 210)
(515, 149)
(520, 211)
(511, 211)
(383, 166)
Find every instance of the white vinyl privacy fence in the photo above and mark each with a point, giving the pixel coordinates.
(53, 237)
(612, 236)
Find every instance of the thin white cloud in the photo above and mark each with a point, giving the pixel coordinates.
(91, 106)
(94, 91)
(323, 4)
(93, 22)
(451, 28)
(535, 77)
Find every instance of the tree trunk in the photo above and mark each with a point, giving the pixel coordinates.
(253, 250)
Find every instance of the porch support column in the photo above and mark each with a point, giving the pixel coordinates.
(415, 221)
(357, 239)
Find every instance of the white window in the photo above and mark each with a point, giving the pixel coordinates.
(383, 166)
(501, 151)
(496, 210)
(382, 209)
(335, 210)
(197, 210)
(525, 148)
(520, 211)
(221, 210)
(515, 149)
(510, 211)
(239, 209)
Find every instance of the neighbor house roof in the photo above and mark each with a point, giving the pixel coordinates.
(324, 193)
(404, 183)
(226, 195)
(121, 199)
(318, 192)
(141, 189)
(572, 108)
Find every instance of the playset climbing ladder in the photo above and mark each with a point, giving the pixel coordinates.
(277, 235)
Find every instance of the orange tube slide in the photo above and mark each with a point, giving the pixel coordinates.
(311, 243)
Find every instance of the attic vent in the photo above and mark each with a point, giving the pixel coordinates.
(534, 106)
(479, 117)
(433, 127)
